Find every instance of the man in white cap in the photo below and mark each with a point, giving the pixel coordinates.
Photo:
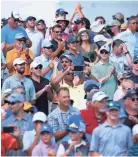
(44, 58)
(31, 138)
(35, 36)
(9, 32)
(19, 52)
(42, 87)
(105, 72)
(19, 79)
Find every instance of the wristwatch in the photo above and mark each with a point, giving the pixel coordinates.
(127, 52)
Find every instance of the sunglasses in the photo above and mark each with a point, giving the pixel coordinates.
(136, 62)
(75, 42)
(16, 20)
(84, 34)
(134, 99)
(104, 52)
(50, 47)
(11, 103)
(58, 32)
(38, 67)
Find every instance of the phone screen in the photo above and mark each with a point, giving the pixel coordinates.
(8, 129)
(78, 68)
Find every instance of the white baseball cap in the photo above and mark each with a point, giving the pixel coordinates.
(15, 15)
(105, 47)
(46, 43)
(135, 129)
(99, 96)
(18, 61)
(39, 116)
(34, 64)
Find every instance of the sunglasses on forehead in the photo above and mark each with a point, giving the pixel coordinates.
(10, 103)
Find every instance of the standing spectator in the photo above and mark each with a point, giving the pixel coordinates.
(42, 87)
(35, 36)
(106, 72)
(111, 138)
(120, 55)
(134, 72)
(31, 138)
(41, 27)
(131, 107)
(59, 118)
(19, 79)
(45, 146)
(130, 36)
(45, 60)
(18, 118)
(19, 52)
(133, 151)
(10, 30)
(61, 13)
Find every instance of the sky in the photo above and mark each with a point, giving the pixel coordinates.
(46, 9)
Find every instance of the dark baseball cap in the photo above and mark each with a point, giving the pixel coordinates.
(30, 18)
(83, 20)
(72, 39)
(130, 92)
(61, 11)
(135, 59)
(41, 21)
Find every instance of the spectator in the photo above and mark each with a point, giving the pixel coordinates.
(87, 49)
(18, 118)
(106, 71)
(41, 27)
(100, 19)
(111, 138)
(115, 28)
(18, 79)
(120, 55)
(119, 17)
(31, 138)
(133, 151)
(134, 72)
(44, 59)
(130, 36)
(131, 106)
(63, 23)
(76, 146)
(42, 87)
(19, 52)
(94, 114)
(61, 13)
(9, 32)
(45, 147)
(57, 41)
(35, 36)
(59, 118)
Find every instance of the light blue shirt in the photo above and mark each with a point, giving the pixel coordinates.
(45, 62)
(111, 140)
(8, 34)
(131, 40)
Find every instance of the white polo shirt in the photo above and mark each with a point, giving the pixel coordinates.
(36, 37)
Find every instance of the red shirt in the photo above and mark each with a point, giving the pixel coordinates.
(88, 115)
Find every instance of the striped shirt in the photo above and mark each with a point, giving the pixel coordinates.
(13, 82)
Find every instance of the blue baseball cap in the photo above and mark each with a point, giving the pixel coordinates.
(61, 11)
(66, 56)
(16, 97)
(76, 124)
(46, 128)
(30, 18)
(113, 105)
(91, 84)
(130, 92)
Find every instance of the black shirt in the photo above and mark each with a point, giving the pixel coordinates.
(42, 101)
(55, 44)
(134, 77)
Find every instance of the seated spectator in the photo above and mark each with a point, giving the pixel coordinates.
(42, 87)
(75, 146)
(45, 146)
(19, 52)
(18, 118)
(31, 138)
(94, 114)
(19, 79)
(133, 151)
(106, 72)
(35, 36)
(59, 118)
(134, 73)
(120, 55)
(44, 59)
(10, 30)
(111, 138)
(87, 49)
(131, 105)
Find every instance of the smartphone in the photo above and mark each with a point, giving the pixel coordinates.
(78, 68)
(8, 129)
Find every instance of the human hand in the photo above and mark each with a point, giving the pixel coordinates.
(55, 62)
(27, 53)
(51, 152)
(133, 119)
(87, 70)
(3, 45)
(78, 7)
(112, 71)
(61, 45)
(47, 88)
(16, 132)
